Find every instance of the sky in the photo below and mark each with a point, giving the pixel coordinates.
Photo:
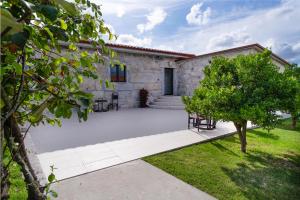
(203, 26)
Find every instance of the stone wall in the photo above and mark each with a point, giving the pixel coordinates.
(190, 71)
(147, 71)
(143, 71)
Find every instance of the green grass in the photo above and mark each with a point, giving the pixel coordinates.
(269, 170)
(17, 190)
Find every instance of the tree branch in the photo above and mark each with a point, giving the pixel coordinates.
(14, 106)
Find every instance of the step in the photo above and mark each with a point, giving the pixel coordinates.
(167, 107)
(169, 97)
(165, 103)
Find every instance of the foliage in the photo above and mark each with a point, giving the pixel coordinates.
(17, 189)
(269, 170)
(240, 89)
(143, 98)
(42, 67)
(292, 87)
(51, 179)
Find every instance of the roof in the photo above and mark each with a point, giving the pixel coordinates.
(179, 54)
(186, 56)
(148, 50)
(256, 46)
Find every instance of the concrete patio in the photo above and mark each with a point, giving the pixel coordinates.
(135, 180)
(112, 138)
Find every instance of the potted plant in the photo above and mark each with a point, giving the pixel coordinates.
(143, 98)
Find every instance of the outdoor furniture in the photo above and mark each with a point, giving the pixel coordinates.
(201, 122)
(114, 101)
(98, 102)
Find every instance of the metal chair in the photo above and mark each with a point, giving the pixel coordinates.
(115, 100)
(197, 122)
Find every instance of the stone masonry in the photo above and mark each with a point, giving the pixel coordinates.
(144, 70)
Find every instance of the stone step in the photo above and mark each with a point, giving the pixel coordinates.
(169, 97)
(168, 100)
(172, 107)
(166, 103)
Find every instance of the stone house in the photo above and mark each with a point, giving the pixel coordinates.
(158, 71)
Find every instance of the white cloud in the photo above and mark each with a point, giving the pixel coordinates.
(120, 11)
(278, 23)
(198, 17)
(227, 40)
(128, 7)
(288, 51)
(129, 39)
(157, 16)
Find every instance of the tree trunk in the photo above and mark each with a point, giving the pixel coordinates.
(294, 121)
(241, 129)
(4, 183)
(11, 130)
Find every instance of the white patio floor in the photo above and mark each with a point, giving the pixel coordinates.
(80, 160)
(112, 138)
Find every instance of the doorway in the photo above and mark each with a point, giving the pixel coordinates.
(168, 81)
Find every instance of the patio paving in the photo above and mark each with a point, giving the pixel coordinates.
(106, 127)
(136, 180)
(80, 148)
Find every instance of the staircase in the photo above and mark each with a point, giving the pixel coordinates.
(168, 102)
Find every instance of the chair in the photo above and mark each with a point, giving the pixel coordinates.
(209, 125)
(197, 122)
(115, 100)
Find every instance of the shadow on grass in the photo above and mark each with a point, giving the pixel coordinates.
(286, 124)
(267, 176)
(264, 134)
(232, 140)
(222, 148)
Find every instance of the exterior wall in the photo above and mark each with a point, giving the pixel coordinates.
(143, 71)
(147, 71)
(190, 71)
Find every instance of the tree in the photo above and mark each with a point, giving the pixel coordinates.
(241, 89)
(38, 75)
(291, 103)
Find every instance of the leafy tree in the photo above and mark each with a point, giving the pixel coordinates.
(39, 75)
(241, 89)
(292, 87)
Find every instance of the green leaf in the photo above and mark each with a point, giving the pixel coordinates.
(51, 177)
(19, 38)
(37, 114)
(79, 78)
(68, 7)
(2, 104)
(53, 193)
(17, 67)
(72, 47)
(49, 33)
(7, 20)
(63, 24)
(48, 11)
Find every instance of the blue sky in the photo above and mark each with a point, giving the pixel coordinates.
(201, 26)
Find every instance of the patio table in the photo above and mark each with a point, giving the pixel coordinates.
(100, 101)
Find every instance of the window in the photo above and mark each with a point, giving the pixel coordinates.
(118, 73)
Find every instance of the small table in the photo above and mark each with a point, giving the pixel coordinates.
(100, 101)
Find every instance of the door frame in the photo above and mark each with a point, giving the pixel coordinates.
(173, 80)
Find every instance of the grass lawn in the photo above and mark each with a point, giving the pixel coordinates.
(17, 190)
(269, 170)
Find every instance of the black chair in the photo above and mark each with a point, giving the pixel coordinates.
(198, 122)
(209, 123)
(115, 100)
